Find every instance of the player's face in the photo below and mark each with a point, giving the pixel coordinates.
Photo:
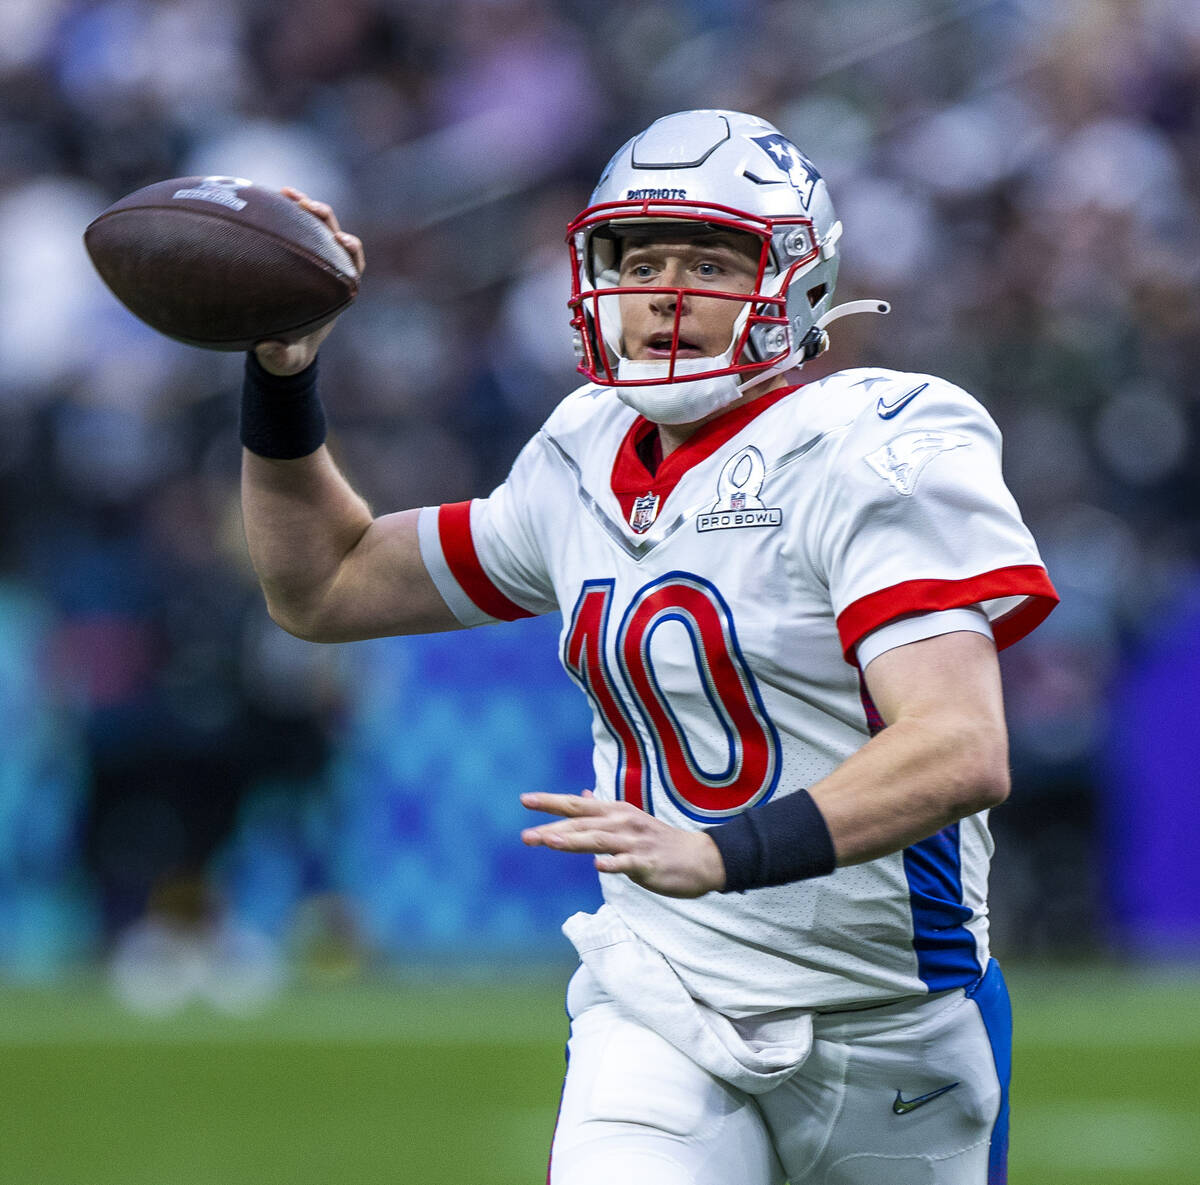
(722, 262)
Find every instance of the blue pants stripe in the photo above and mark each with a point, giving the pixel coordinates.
(990, 994)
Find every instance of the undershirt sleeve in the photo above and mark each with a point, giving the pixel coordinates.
(920, 627)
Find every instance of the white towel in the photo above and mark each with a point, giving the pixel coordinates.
(751, 1055)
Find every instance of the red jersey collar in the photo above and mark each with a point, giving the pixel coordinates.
(633, 483)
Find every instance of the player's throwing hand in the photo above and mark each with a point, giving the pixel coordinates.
(655, 855)
(284, 358)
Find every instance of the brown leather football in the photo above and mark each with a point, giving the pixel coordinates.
(220, 262)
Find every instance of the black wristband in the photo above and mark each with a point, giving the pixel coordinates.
(786, 840)
(282, 416)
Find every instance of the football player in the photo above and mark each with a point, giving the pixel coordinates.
(783, 602)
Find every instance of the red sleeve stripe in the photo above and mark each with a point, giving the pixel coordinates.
(927, 596)
(454, 533)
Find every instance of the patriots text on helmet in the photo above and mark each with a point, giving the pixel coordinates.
(656, 195)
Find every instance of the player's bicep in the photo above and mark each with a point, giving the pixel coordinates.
(952, 678)
(383, 586)
(945, 693)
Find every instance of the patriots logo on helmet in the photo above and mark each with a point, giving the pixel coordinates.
(801, 172)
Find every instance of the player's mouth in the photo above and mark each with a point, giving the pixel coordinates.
(659, 346)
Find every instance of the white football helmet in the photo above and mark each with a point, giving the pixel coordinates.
(716, 169)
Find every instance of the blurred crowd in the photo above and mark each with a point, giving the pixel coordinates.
(1020, 178)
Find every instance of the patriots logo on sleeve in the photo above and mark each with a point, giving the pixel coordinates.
(901, 461)
(801, 173)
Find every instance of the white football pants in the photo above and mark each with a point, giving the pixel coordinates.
(905, 1094)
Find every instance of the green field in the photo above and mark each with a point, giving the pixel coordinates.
(425, 1085)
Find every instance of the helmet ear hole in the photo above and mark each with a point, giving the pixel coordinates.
(816, 295)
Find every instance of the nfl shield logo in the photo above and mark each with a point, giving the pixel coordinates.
(644, 512)
(737, 501)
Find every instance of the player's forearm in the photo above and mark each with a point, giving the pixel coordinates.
(919, 775)
(302, 521)
(914, 778)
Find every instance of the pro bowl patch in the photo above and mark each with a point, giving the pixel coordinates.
(738, 503)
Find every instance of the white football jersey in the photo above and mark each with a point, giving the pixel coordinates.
(710, 613)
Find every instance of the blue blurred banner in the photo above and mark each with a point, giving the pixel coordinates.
(419, 822)
(1152, 796)
(46, 911)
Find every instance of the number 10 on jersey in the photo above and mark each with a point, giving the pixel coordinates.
(752, 744)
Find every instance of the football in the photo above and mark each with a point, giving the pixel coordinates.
(220, 262)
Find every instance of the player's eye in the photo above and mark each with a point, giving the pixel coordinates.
(640, 271)
(707, 269)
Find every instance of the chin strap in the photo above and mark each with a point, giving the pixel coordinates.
(817, 340)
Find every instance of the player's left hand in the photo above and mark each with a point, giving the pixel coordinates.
(657, 856)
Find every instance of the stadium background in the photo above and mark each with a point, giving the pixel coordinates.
(224, 851)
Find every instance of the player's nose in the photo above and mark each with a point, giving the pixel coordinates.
(664, 300)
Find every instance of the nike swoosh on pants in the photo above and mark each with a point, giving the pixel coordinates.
(902, 1106)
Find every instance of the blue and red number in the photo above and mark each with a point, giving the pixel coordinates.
(584, 656)
(753, 754)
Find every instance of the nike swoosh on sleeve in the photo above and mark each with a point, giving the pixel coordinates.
(887, 410)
